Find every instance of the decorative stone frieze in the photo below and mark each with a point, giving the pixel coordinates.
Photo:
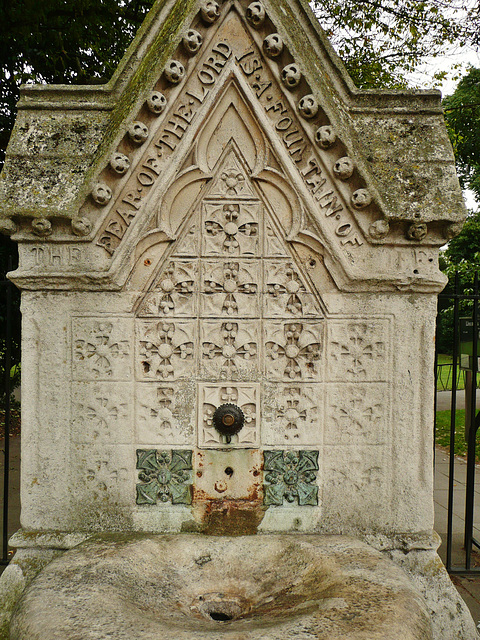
(218, 227)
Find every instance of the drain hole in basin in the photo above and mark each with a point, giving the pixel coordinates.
(220, 607)
(219, 616)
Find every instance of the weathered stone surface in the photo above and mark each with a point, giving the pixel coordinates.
(230, 222)
(196, 587)
(408, 126)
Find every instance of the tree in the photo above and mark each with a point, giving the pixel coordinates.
(464, 248)
(63, 42)
(462, 114)
(381, 41)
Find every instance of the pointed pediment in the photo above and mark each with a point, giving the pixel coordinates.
(233, 85)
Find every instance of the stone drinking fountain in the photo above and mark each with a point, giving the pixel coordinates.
(229, 270)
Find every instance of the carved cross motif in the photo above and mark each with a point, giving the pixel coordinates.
(295, 352)
(358, 351)
(286, 292)
(231, 230)
(234, 181)
(104, 476)
(166, 349)
(161, 418)
(356, 415)
(173, 293)
(229, 346)
(97, 353)
(225, 289)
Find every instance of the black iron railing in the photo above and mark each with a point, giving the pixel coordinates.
(10, 362)
(463, 301)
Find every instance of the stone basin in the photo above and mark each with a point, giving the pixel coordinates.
(151, 587)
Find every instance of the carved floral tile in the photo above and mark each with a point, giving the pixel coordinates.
(286, 295)
(103, 475)
(230, 289)
(293, 414)
(102, 412)
(357, 350)
(290, 476)
(357, 414)
(293, 351)
(245, 396)
(231, 230)
(165, 414)
(229, 350)
(102, 348)
(165, 476)
(174, 291)
(165, 349)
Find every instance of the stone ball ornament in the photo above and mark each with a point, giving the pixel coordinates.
(273, 45)
(42, 227)
(344, 168)
(210, 11)
(174, 71)
(379, 229)
(81, 227)
(119, 163)
(308, 107)
(192, 42)
(453, 230)
(8, 227)
(325, 136)
(138, 132)
(156, 103)
(417, 231)
(102, 194)
(361, 198)
(291, 76)
(256, 14)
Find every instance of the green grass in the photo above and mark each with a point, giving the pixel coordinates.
(445, 374)
(443, 432)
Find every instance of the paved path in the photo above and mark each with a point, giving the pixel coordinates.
(444, 399)
(469, 587)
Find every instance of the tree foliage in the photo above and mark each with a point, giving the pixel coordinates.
(462, 113)
(464, 248)
(381, 41)
(61, 41)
